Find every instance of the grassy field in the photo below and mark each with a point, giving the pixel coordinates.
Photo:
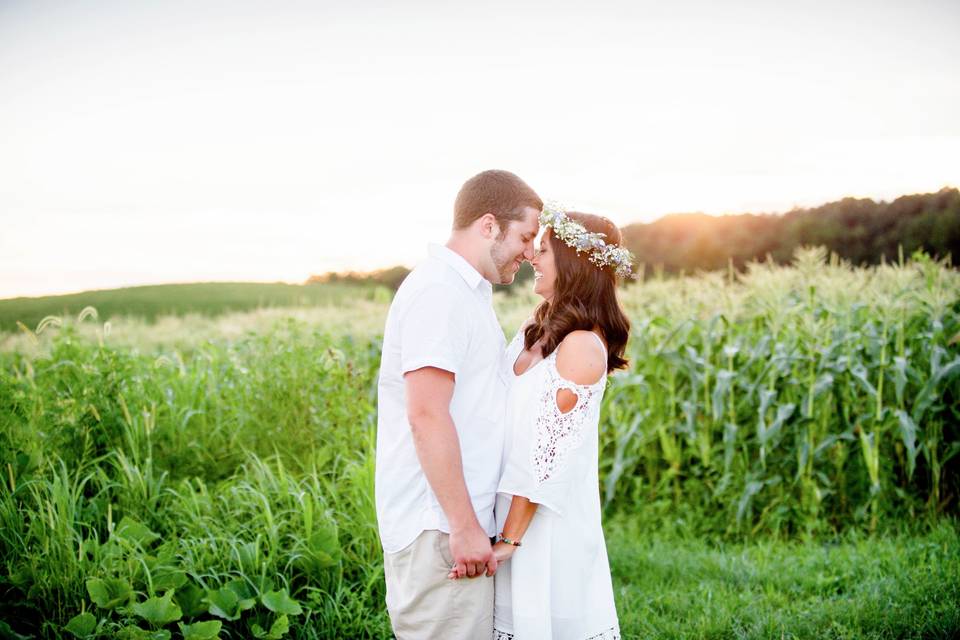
(854, 586)
(203, 298)
(780, 460)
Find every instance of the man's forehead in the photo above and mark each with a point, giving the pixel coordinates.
(531, 221)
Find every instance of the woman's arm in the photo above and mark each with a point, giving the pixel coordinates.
(518, 519)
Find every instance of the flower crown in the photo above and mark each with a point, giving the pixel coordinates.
(576, 236)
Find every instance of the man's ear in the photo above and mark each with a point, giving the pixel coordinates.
(489, 226)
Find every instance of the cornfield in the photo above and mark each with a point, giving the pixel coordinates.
(791, 399)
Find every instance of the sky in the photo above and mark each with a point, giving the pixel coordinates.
(151, 142)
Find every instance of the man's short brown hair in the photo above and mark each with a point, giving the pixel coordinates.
(495, 191)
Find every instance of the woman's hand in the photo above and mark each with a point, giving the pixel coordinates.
(501, 551)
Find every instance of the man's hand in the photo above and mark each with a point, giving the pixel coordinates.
(472, 554)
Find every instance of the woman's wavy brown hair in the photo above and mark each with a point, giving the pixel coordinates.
(584, 297)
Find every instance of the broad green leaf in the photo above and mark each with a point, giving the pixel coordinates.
(908, 433)
(109, 593)
(772, 433)
(324, 544)
(281, 602)
(82, 625)
(246, 598)
(279, 628)
(133, 632)
(721, 388)
(159, 610)
(265, 583)
(929, 394)
(223, 604)
(208, 630)
(766, 399)
(190, 600)
(166, 552)
(169, 579)
(860, 374)
(112, 553)
(320, 551)
(869, 446)
(132, 531)
(729, 440)
(899, 376)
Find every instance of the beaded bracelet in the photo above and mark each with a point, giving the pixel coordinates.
(500, 538)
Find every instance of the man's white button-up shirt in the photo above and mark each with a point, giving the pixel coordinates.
(442, 316)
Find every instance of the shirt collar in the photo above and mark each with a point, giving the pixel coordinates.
(459, 264)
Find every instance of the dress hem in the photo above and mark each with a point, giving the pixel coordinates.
(613, 633)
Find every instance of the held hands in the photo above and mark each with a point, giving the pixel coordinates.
(472, 555)
(501, 553)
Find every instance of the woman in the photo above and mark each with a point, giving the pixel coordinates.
(555, 580)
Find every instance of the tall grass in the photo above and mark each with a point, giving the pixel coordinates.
(247, 467)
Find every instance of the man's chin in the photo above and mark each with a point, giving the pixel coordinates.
(508, 274)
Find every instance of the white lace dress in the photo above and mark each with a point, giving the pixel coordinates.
(557, 585)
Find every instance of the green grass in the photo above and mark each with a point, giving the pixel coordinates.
(208, 298)
(672, 587)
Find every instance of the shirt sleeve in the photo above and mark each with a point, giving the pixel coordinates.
(434, 331)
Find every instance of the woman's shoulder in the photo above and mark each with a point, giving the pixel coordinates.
(582, 357)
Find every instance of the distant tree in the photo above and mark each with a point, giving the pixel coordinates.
(391, 277)
(857, 229)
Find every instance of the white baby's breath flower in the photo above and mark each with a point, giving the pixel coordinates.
(578, 238)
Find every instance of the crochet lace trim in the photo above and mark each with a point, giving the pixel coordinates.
(559, 433)
(613, 633)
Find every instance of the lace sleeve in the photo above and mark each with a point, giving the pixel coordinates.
(559, 434)
(542, 461)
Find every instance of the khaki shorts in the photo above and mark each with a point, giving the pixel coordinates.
(424, 604)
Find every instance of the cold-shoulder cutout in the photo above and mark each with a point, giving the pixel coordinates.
(582, 358)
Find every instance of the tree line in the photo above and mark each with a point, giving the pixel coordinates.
(859, 230)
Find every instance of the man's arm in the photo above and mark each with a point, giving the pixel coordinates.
(429, 391)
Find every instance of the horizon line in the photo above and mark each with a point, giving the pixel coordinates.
(362, 272)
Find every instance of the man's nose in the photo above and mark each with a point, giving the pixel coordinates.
(528, 252)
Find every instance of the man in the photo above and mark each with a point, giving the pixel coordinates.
(440, 403)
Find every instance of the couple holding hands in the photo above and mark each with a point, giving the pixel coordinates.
(487, 490)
